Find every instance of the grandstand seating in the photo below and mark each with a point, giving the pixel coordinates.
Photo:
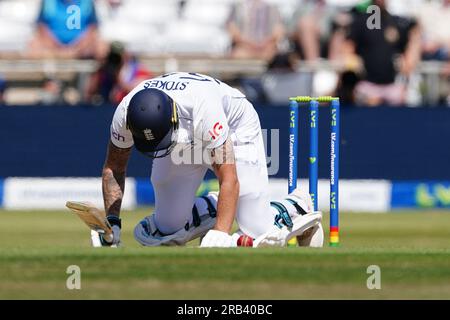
(158, 27)
(168, 36)
(17, 23)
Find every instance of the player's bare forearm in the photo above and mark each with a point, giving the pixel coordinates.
(113, 186)
(227, 204)
(225, 170)
(113, 178)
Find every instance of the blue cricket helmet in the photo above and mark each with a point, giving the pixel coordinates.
(153, 121)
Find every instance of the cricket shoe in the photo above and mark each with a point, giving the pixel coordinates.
(279, 237)
(314, 236)
(296, 216)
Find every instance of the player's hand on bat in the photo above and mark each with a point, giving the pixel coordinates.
(105, 231)
(216, 238)
(111, 240)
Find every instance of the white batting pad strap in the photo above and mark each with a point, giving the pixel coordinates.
(289, 206)
(147, 234)
(206, 205)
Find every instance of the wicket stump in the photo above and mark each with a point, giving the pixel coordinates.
(314, 154)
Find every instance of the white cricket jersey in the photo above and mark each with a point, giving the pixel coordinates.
(208, 109)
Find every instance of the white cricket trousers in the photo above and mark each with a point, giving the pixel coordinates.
(175, 187)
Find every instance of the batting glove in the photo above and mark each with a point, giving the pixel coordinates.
(116, 225)
(215, 238)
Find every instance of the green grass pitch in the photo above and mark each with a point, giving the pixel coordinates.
(411, 248)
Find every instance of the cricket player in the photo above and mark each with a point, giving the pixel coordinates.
(188, 123)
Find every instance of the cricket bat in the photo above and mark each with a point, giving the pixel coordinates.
(94, 218)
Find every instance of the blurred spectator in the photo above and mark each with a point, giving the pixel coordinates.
(117, 75)
(2, 90)
(346, 87)
(284, 62)
(434, 18)
(256, 29)
(114, 4)
(51, 92)
(256, 89)
(111, 8)
(316, 31)
(66, 29)
(378, 47)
